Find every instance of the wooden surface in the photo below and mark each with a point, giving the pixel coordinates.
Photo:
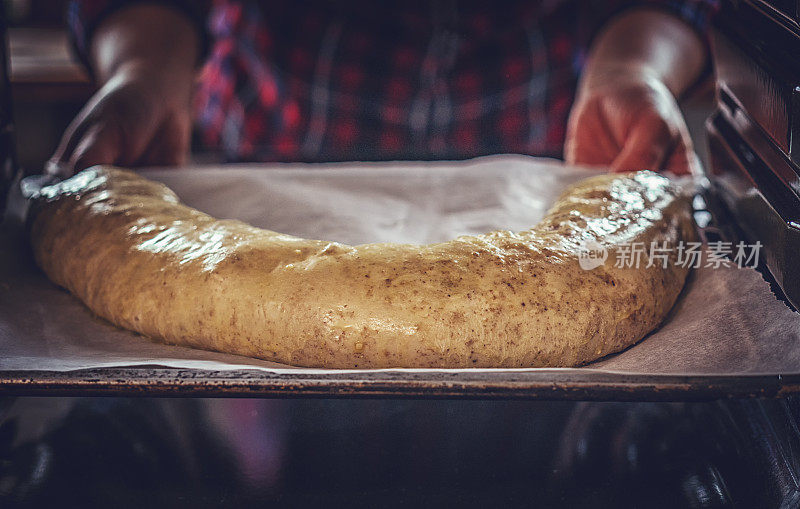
(43, 67)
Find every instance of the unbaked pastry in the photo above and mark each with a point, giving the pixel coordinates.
(136, 256)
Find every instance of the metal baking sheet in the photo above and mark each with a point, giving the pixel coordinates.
(548, 384)
(726, 337)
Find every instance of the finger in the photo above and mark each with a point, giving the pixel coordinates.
(590, 151)
(589, 139)
(99, 145)
(57, 168)
(77, 128)
(170, 145)
(695, 165)
(683, 160)
(646, 147)
(59, 162)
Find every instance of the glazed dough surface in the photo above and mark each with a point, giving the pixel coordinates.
(136, 256)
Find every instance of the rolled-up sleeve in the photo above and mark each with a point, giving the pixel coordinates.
(84, 16)
(697, 13)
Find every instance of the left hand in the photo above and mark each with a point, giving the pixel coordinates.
(627, 119)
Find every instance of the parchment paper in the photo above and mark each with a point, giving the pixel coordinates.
(727, 321)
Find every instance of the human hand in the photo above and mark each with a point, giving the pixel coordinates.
(135, 119)
(627, 119)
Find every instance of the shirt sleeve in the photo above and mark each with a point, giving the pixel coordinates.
(84, 16)
(697, 13)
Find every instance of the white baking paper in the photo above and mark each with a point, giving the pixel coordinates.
(727, 321)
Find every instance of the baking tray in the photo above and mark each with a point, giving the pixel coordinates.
(547, 384)
(601, 383)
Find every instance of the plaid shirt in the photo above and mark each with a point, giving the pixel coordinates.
(443, 79)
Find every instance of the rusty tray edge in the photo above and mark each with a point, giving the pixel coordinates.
(172, 382)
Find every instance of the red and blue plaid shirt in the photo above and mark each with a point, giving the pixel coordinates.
(353, 80)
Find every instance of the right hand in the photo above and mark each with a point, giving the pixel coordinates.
(135, 119)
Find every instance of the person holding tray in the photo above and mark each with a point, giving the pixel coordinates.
(593, 82)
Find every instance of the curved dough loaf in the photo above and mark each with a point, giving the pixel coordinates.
(137, 257)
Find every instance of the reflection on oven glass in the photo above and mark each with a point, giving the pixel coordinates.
(162, 452)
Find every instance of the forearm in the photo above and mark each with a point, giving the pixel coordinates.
(148, 40)
(649, 41)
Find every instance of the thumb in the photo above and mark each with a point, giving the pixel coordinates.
(99, 145)
(684, 160)
(646, 146)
